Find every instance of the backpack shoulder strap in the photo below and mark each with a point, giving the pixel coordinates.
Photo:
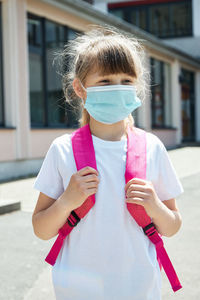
(136, 168)
(84, 155)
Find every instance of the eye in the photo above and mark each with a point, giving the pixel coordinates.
(104, 81)
(128, 81)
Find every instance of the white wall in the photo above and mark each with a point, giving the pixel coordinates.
(101, 5)
(176, 101)
(144, 112)
(15, 73)
(197, 105)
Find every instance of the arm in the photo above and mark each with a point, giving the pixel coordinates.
(50, 214)
(168, 219)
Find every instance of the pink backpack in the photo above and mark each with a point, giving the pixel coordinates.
(84, 155)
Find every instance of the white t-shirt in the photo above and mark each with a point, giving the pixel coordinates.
(107, 256)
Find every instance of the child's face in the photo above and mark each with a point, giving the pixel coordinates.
(96, 79)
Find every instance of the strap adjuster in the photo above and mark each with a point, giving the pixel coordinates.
(73, 219)
(150, 229)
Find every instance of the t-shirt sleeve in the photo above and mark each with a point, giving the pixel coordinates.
(167, 185)
(49, 180)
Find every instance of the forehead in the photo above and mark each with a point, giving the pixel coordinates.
(108, 57)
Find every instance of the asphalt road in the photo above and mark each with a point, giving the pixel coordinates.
(25, 276)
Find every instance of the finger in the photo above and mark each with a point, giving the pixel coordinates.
(90, 185)
(137, 194)
(136, 187)
(91, 177)
(135, 201)
(91, 191)
(87, 170)
(135, 181)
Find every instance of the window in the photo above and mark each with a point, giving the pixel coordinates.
(118, 13)
(181, 26)
(47, 103)
(161, 94)
(138, 17)
(159, 19)
(187, 104)
(1, 75)
(37, 102)
(56, 36)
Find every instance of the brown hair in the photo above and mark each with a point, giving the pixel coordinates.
(109, 51)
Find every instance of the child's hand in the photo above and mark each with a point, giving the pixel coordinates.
(140, 191)
(82, 184)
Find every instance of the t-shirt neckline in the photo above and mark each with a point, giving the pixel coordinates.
(102, 142)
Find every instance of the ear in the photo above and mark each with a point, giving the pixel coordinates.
(78, 89)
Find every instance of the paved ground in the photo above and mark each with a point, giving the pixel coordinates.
(25, 276)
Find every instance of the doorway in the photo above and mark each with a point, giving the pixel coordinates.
(187, 105)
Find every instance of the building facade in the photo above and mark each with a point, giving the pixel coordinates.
(32, 106)
(177, 23)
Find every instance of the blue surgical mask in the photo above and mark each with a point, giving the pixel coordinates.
(111, 103)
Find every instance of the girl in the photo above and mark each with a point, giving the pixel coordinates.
(107, 255)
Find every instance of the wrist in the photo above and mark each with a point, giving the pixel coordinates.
(64, 203)
(157, 210)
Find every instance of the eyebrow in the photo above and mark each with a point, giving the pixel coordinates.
(108, 75)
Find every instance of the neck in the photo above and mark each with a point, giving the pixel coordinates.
(111, 132)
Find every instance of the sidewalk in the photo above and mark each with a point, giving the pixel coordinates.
(27, 277)
(186, 161)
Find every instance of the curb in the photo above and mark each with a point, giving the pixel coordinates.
(9, 206)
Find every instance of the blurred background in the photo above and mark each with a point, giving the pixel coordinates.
(33, 112)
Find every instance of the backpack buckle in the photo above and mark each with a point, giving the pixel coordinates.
(73, 219)
(150, 229)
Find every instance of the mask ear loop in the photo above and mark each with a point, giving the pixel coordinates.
(82, 101)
